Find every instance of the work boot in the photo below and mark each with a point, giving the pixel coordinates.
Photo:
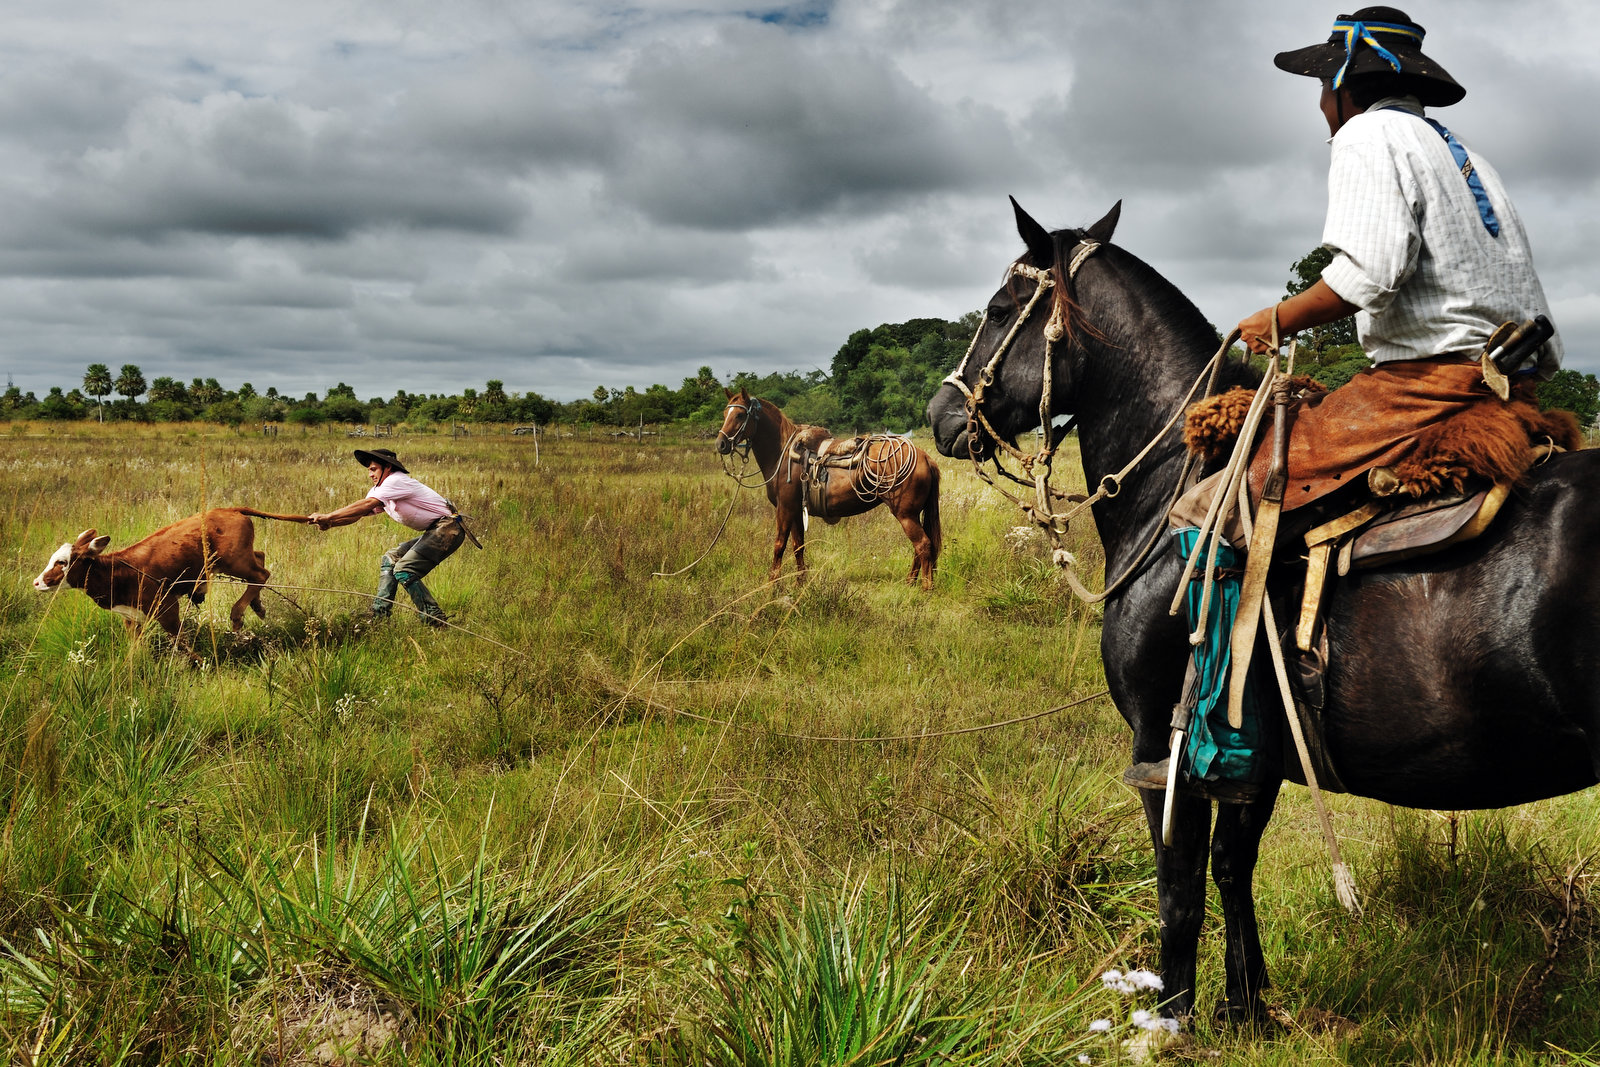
(1146, 775)
(388, 586)
(428, 608)
(1154, 776)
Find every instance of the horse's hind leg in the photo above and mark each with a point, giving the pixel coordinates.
(1181, 892)
(1235, 847)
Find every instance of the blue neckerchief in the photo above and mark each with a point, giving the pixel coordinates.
(1355, 33)
(1458, 151)
(1475, 183)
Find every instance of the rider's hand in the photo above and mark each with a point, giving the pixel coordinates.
(1256, 331)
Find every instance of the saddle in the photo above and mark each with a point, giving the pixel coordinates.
(819, 455)
(1441, 476)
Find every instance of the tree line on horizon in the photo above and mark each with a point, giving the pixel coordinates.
(879, 379)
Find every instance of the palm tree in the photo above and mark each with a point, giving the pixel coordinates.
(130, 381)
(97, 383)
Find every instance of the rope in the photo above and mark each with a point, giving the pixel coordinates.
(732, 500)
(658, 706)
(887, 471)
(738, 480)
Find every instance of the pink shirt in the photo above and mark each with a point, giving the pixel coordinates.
(409, 502)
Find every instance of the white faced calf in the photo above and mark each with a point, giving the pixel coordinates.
(146, 580)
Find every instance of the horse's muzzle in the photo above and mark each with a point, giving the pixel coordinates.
(947, 415)
(724, 444)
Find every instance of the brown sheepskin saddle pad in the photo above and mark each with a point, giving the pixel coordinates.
(1435, 426)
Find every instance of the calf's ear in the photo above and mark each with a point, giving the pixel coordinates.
(98, 545)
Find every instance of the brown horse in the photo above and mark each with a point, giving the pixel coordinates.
(892, 471)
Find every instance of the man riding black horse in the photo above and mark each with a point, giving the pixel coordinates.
(1430, 256)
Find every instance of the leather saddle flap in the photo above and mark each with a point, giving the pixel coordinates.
(1426, 525)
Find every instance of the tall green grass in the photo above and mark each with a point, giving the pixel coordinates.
(614, 818)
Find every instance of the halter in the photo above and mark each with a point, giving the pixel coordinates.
(1036, 465)
(752, 412)
(1041, 510)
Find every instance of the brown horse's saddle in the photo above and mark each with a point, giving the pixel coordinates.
(829, 452)
(818, 456)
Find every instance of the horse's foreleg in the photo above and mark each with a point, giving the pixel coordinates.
(797, 532)
(778, 546)
(791, 528)
(1181, 892)
(1234, 850)
(921, 551)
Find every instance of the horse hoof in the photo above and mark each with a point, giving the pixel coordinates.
(1242, 1016)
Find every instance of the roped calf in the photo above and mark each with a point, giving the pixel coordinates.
(146, 580)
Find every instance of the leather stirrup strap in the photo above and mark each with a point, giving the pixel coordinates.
(1262, 537)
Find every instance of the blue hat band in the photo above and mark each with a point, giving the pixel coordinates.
(1355, 33)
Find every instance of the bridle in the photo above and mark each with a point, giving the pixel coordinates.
(740, 439)
(1037, 465)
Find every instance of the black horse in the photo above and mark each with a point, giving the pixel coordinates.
(1469, 679)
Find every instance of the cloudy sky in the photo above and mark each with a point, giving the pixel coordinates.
(562, 194)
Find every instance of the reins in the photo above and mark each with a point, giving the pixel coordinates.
(1041, 510)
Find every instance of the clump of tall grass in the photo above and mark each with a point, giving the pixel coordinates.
(851, 977)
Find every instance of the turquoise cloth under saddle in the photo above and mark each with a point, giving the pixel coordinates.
(1215, 750)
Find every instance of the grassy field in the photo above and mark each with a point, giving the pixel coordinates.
(613, 818)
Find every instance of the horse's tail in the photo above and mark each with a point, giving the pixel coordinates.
(930, 510)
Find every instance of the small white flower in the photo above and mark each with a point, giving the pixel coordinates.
(1145, 980)
(1100, 1026)
(1169, 1025)
(1143, 1020)
(1083, 1057)
(1115, 980)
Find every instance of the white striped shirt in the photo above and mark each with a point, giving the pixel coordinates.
(1410, 249)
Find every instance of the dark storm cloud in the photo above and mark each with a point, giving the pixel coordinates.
(1172, 96)
(511, 114)
(758, 128)
(235, 166)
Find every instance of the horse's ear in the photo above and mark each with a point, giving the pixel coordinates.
(1040, 245)
(725, 389)
(1102, 230)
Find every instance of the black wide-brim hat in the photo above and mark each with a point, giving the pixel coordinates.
(1375, 40)
(380, 455)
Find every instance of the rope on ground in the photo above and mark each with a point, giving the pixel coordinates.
(367, 596)
(656, 705)
(739, 479)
